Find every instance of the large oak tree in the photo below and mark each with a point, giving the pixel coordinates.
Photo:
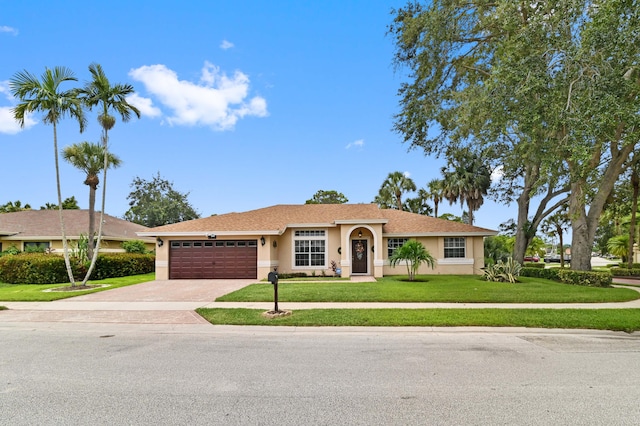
(546, 91)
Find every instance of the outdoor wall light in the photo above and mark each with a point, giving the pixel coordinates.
(262, 241)
(160, 242)
(359, 234)
(275, 244)
(339, 250)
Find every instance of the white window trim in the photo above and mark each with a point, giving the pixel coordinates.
(324, 238)
(444, 248)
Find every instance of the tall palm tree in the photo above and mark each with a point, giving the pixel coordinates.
(45, 96)
(99, 92)
(89, 158)
(467, 179)
(390, 194)
(435, 187)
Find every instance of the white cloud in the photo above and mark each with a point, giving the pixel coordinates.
(407, 175)
(226, 45)
(357, 144)
(497, 174)
(10, 30)
(145, 105)
(217, 100)
(8, 124)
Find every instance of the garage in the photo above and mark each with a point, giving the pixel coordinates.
(225, 259)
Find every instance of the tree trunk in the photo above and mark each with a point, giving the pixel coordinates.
(635, 183)
(522, 240)
(92, 221)
(65, 247)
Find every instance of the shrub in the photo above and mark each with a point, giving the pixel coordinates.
(37, 268)
(134, 246)
(624, 265)
(625, 272)
(585, 278)
(123, 265)
(548, 274)
(34, 268)
(533, 265)
(503, 271)
(11, 250)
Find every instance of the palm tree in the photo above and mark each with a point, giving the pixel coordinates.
(45, 96)
(435, 187)
(99, 92)
(89, 158)
(466, 179)
(414, 254)
(619, 246)
(390, 194)
(419, 204)
(556, 224)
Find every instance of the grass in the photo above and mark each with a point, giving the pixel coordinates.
(627, 320)
(36, 293)
(440, 288)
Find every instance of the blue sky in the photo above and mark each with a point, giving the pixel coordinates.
(245, 104)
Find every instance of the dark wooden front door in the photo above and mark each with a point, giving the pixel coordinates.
(359, 256)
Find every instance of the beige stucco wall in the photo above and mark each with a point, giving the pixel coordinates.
(106, 246)
(471, 264)
(278, 252)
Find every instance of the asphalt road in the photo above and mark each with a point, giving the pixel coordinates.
(99, 374)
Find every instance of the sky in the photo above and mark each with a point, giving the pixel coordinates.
(245, 103)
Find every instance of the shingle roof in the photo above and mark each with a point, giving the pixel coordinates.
(46, 223)
(275, 219)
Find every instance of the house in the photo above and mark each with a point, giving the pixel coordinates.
(308, 238)
(41, 228)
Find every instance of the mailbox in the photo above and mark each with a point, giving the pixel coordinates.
(273, 277)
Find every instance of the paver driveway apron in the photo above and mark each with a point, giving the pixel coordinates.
(154, 302)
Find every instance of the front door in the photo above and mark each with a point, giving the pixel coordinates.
(359, 256)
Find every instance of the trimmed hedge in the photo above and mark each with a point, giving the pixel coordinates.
(536, 272)
(533, 265)
(625, 272)
(38, 268)
(585, 278)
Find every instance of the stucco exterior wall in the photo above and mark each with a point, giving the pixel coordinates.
(472, 263)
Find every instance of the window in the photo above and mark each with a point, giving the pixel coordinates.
(36, 246)
(310, 248)
(393, 244)
(454, 247)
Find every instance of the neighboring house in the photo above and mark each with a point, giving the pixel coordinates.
(41, 228)
(307, 238)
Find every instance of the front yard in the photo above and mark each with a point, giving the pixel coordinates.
(44, 293)
(432, 289)
(451, 289)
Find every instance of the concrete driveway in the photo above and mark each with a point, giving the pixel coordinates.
(154, 302)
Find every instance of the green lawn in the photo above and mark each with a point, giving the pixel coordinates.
(599, 319)
(37, 293)
(430, 288)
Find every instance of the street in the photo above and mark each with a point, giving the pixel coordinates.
(81, 374)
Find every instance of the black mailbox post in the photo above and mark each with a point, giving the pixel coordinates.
(273, 279)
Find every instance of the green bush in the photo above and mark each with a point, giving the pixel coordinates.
(624, 265)
(625, 272)
(33, 268)
(134, 246)
(38, 268)
(535, 272)
(123, 265)
(585, 278)
(503, 271)
(533, 265)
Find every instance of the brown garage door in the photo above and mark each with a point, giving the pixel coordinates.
(213, 259)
